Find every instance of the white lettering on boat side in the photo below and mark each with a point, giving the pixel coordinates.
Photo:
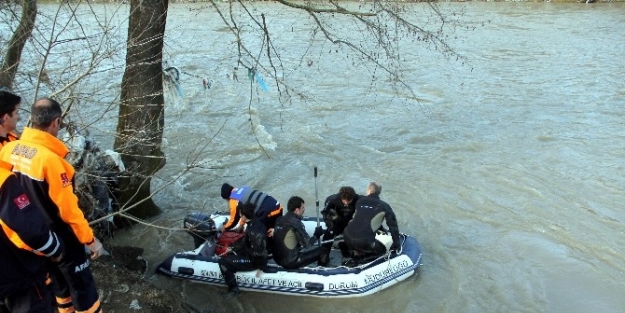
(211, 274)
(390, 270)
(343, 285)
(269, 281)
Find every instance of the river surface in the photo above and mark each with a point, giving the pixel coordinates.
(510, 170)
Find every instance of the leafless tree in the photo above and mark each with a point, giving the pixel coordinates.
(134, 57)
(142, 108)
(13, 52)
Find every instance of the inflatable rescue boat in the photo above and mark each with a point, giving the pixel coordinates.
(340, 278)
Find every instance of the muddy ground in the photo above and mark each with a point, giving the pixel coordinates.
(121, 282)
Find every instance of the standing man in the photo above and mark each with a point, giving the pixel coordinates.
(293, 247)
(254, 254)
(25, 241)
(47, 178)
(370, 212)
(9, 115)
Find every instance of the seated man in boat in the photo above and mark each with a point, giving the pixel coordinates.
(359, 235)
(253, 255)
(339, 210)
(266, 208)
(293, 247)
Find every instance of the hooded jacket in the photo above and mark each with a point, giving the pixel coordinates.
(25, 238)
(47, 178)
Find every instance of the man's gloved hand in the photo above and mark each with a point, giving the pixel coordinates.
(318, 232)
(96, 248)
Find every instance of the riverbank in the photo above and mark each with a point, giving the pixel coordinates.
(123, 287)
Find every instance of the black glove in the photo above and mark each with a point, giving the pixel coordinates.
(318, 232)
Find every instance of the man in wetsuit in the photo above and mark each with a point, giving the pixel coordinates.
(293, 247)
(254, 252)
(370, 212)
(9, 115)
(339, 210)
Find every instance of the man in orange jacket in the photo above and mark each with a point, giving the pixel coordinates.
(9, 115)
(47, 178)
(25, 241)
(266, 208)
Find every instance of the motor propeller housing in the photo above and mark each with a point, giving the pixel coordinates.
(200, 226)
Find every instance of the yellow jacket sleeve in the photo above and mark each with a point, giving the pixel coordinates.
(233, 219)
(60, 178)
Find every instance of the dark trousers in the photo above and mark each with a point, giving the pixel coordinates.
(73, 284)
(231, 264)
(306, 256)
(35, 299)
(365, 247)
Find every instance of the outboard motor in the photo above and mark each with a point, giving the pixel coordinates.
(200, 226)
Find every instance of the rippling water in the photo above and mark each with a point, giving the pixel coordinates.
(510, 171)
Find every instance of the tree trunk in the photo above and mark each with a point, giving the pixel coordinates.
(17, 42)
(141, 111)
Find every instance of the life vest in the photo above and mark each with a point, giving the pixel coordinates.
(246, 194)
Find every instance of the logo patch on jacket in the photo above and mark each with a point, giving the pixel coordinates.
(65, 181)
(21, 201)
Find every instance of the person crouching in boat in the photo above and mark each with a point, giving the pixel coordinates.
(254, 254)
(293, 248)
(338, 211)
(359, 235)
(266, 208)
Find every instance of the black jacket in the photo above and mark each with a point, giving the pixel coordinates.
(336, 213)
(368, 208)
(282, 253)
(25, 239)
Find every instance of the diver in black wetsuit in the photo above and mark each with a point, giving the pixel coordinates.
(338, 211)
(293, 248)
(359, 235)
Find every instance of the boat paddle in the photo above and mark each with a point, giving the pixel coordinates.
(317, 204)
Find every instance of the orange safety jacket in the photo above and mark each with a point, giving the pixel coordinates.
(11, 136)
(38, 160)
(24, 237)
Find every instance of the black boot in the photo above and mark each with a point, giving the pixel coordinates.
(232, 292)
(324, 258)
(231, 281)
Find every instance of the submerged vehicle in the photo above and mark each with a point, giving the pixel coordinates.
(340, 278)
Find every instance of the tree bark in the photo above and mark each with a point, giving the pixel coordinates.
(141, 111)
(17, 42)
